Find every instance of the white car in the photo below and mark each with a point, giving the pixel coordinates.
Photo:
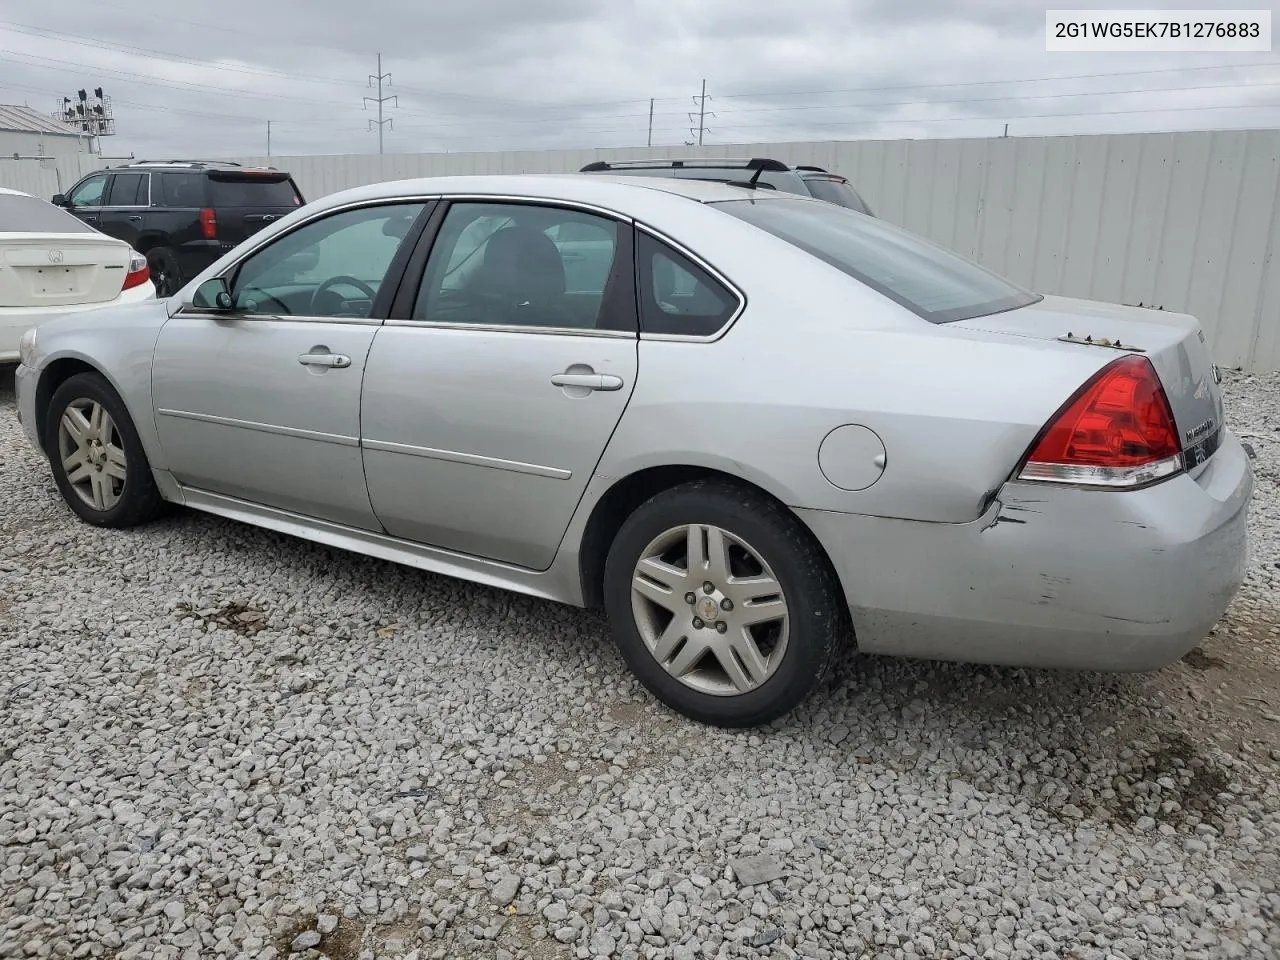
(52, 263)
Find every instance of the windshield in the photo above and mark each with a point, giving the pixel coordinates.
(930, 281)
(26, 214)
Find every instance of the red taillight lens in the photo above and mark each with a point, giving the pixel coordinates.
(139, 272)
(208, 224)
(1117, 431)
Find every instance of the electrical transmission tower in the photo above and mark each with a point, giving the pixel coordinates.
(380, 100)
(702, 116)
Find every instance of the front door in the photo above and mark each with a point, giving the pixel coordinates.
(87, 197)
(262, 403)
(488, 404)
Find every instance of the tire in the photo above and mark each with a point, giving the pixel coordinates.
(764, 540)
(105, 484)
(164, 270)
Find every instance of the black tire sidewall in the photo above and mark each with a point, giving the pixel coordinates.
(169, 263)
(139, 497)
(814, 604)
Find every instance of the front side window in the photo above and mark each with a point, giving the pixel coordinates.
(332, 267)
(932, 282)
(89, 193)
(513, 264)
(677, 297)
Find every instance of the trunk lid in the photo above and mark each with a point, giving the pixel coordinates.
(245, 201)
(1173, 342)
(59, 269)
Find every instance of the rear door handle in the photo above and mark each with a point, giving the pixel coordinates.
(592, 381)
(324, 360)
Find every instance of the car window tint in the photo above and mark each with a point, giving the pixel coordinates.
(676, 295)
(511, 264)
(20, 213)
(179, 190)
(89, 193)
(332, 267)
(128, 190)
(250, 192)
(927, 279)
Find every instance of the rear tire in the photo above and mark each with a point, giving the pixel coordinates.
(165, 273)
(96, 456)
(765, 622)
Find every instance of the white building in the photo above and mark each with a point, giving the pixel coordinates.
(26, 136)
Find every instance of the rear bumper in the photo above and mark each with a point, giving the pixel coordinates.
(1052, 576)
(195, 255)
(15, 321)
(25, 388)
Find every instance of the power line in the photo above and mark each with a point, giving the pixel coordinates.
(380, 100)
(701, 101)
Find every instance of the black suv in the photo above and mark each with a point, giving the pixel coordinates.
(181, 214)
(756, 172)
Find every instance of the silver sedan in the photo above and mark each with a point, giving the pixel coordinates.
(749, 425)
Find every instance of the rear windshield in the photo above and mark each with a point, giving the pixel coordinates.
(27, 214)
(252, 193)
(932, 282)
(836, 191)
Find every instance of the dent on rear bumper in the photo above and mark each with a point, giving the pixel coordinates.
(25, 390)
(1052, 576)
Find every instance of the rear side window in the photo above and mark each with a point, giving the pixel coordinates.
(26, 214)
(128, 190)
(928, 280)
(252, 193)
(178, 189)
(677, 297)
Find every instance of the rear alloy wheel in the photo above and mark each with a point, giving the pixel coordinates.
(97, 459)
(164, 272)
(722, 603)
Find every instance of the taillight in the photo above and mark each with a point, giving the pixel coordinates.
(139, 273)
(208, 224)
(1117, 431)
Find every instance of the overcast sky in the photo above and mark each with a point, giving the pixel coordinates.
(203, 79)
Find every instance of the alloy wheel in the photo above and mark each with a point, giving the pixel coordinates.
(92, 454)
(710, 610)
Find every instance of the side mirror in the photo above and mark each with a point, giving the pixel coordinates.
(60, 200)
(213, 295)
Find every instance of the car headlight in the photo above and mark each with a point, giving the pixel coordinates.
(27, 347)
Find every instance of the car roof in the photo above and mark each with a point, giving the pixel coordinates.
(611, 190)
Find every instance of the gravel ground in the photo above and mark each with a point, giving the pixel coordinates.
(220, 742)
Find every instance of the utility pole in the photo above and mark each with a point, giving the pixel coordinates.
(701, 101)
(651, 121)
(380, 100)
(268, 138)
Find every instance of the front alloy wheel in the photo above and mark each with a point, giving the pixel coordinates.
(92, 454)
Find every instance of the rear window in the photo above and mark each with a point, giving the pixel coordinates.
(26, 214)
(928, 280)
(836, 191)
(252, 193)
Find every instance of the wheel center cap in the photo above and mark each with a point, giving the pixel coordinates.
(707, 608)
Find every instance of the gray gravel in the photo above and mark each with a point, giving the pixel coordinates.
(220, 742)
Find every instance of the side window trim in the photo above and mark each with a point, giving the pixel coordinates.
(386, 291)
(640, 283)
(620, 293)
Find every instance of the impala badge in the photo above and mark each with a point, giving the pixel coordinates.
(55, 256)
(1195, 433)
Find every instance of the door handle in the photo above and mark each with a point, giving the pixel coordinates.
(324, 360)
(136, 218)
(592, 381)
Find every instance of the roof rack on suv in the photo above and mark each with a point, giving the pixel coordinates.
(746, 163)
(183, 163)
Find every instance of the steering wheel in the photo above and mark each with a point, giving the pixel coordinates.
(338, 281)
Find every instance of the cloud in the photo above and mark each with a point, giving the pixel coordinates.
(504, 74)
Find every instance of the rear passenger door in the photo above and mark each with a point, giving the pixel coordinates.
(491, 392)
(124, 214)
